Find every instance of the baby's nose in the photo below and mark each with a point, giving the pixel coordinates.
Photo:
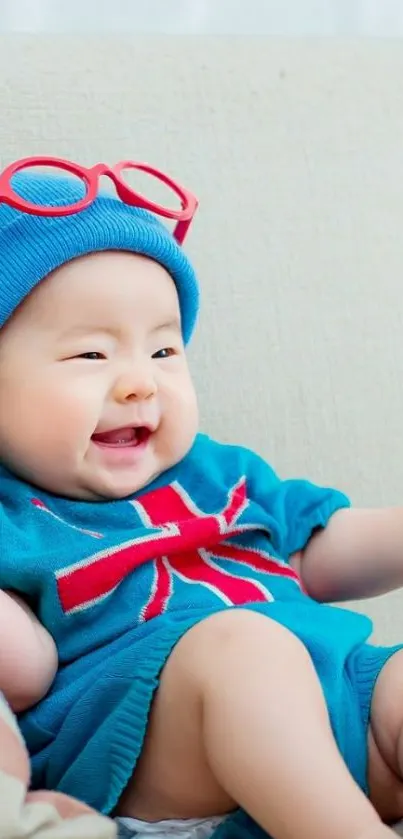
(136, 385)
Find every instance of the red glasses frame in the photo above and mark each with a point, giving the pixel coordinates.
(90, 177)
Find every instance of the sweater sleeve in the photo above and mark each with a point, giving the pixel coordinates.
(296, 508)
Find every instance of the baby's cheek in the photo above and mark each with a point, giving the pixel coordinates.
(76, 414)
(184, 425)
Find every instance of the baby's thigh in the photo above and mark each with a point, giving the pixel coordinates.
(385, 740)
(173, 778)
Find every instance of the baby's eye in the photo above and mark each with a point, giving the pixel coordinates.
(92, 356)
(166, 352)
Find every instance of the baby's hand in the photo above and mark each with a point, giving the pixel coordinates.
(28, 655)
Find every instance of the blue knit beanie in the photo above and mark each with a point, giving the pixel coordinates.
(33, 246)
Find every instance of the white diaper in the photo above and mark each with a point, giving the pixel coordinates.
(169, 829)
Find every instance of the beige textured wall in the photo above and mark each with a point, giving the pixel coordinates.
(296, 152)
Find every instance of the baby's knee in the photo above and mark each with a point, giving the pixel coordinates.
(244, 628)
(229, 637)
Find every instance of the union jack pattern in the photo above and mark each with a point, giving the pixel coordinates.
(36, 502)
(182, 541)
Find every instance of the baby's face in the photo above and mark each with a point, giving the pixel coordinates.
(95, 391)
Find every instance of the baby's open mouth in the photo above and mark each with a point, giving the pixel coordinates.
(121, 437)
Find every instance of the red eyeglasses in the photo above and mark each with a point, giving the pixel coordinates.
(90, 177)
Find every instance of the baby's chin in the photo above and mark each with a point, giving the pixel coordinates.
(86, 484)
(89, 488)
(110, 488)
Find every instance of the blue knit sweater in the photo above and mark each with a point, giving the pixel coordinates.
(118, 583)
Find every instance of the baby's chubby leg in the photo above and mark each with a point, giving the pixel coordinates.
(240, 720)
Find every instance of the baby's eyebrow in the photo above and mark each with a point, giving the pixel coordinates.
(86, 329)
(170, 323)
(76, 331)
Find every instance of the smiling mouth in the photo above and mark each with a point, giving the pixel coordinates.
(119, 438)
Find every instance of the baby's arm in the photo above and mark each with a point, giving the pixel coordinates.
(358, 554)
(28, 656)
(340, 552)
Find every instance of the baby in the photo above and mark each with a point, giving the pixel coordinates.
(204, 687)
